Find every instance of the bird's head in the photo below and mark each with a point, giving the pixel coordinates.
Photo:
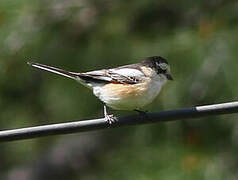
(160, 65)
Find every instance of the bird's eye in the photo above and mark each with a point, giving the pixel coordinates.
(163, 66)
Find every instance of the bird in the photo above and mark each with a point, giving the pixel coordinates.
(129, 87)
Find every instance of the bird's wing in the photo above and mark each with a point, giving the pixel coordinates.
(129, 74)
(125, 75)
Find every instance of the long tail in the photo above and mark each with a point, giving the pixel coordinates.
(51, 69)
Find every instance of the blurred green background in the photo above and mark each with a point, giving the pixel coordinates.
(200, 41)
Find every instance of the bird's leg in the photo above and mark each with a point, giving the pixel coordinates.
(109, 117)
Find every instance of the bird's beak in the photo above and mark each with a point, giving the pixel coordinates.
(169, 76)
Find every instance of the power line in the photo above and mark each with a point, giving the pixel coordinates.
(94, 124)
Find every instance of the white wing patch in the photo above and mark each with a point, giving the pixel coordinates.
(128, 72)
(119, 75)
(100, 74)
(97, 72)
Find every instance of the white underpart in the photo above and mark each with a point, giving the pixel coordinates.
(134, 102)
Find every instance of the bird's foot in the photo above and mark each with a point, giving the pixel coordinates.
(110, 118)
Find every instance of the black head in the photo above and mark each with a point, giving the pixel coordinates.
(159, 64)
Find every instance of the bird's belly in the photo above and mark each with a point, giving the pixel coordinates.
(127, 96)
